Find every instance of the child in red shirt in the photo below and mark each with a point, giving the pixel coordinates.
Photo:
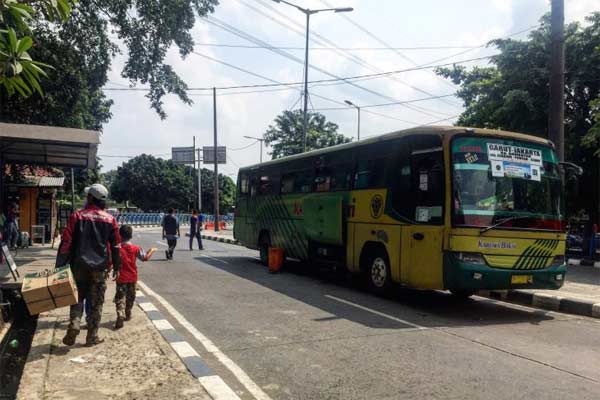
(127, 277)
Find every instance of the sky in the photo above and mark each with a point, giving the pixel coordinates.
(464, 24)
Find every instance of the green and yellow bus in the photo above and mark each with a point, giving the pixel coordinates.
(459, 209)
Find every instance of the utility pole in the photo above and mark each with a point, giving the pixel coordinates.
(308, 13)
(216, 184)
(556, 109)
(72, 189)
(199, 182)
(194, 166)
(305, 109)
(351, 104)
(261, 140)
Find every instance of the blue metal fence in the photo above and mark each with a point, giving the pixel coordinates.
(140, 219)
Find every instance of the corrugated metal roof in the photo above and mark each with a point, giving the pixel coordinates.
(48, 145)
(42, 181)
(50, 181)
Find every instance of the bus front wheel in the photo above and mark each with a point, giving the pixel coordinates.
(264, 242)
(378, 272)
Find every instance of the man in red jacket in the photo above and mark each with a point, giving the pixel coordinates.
(84, 248)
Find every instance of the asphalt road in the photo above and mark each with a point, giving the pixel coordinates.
(301, 335)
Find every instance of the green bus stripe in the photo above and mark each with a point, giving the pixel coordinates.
(284, 216)
(535, 257)
(539, 259)
(529, 259)
(521, 261)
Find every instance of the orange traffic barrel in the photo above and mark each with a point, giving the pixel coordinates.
(275, 259)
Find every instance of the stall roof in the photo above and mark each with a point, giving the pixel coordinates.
(42, 181)
(48, 145)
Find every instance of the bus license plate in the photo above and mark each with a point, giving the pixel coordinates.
(521, 279)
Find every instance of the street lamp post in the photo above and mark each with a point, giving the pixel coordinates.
(308, 13)
(261, 140)
(351, 104)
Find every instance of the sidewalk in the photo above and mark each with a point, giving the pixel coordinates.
(579, 295)
(225, 236)
(133, 363)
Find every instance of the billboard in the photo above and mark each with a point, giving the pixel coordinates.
(208, 155)
(182, 155)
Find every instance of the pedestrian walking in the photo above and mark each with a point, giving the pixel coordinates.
(11, 226)
(196, 229)
(84, 248)
(170, 231)
(128, 276)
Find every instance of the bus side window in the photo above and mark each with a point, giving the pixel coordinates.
(363, 173)
(244, 184)
(304, 181)
(323, 181)
(428, 184)
(266, 185)
(287, 183)
(400, 180)
(254, 185)
(340, 177)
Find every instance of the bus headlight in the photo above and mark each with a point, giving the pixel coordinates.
(469, 258)
(558, 261)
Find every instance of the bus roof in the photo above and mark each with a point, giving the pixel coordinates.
(440, 130)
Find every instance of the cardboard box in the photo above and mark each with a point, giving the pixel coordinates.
(47, 290)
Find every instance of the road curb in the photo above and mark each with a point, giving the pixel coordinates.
(546, 301)
(34, 375)
(220, 239)
(214, 385)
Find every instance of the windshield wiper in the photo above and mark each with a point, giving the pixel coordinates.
(501, 222)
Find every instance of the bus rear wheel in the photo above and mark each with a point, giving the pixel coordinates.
(378, 272)
(264, 242)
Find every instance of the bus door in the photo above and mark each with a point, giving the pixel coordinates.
(425, 236)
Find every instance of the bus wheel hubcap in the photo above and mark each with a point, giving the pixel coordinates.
(378, 272)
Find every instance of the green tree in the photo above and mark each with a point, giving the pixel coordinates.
(73, 94)
(227, 191)
(513, 94)
(19, 73)
(146, 29)
(152, 184)
(285, 136)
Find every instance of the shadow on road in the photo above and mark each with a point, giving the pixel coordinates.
(335, 295)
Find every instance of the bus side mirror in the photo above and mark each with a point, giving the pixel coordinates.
(570, 169)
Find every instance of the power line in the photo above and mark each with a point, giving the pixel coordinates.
(320, 39)
(255, 40)
(285, 54)
(339, 80)
(480, 46)
(384, 43)
(317, 48)
(243, 148)
(386, 104)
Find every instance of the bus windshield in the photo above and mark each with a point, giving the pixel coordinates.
(496, 179)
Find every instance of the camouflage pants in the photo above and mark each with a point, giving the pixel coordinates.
(91, 285)
(124, 299)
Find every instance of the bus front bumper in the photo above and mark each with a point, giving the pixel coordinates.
(459, 275)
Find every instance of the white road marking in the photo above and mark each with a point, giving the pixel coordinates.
(162, 324)
(210, 347)
(214, 258)
(147, 306)
(161, 243)
(217, 389)
(375, 312)
(183, 349)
